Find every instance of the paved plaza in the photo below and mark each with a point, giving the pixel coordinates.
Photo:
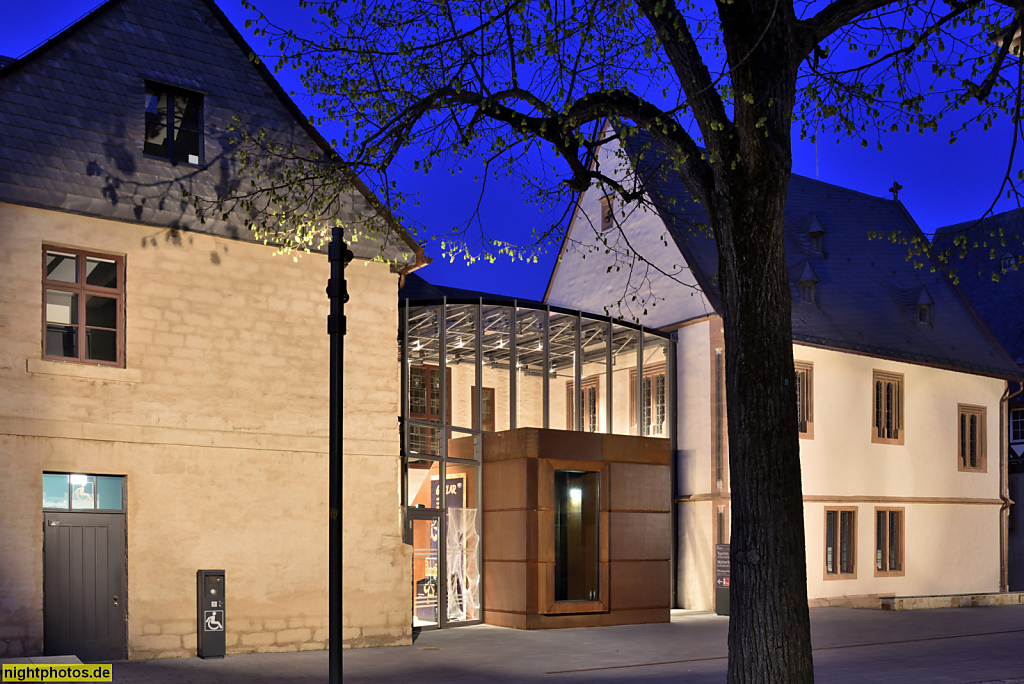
(956, 645)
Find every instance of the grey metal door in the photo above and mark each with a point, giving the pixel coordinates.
(84, 607)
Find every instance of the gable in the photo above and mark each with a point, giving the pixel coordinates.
(866, 292)
(598, 271)
(73, 116)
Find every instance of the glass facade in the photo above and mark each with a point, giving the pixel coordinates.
(484, 365)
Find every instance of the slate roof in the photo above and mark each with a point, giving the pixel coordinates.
(417, 288)
(867, 291)
(73, 121)
(1000, 303)
(4, 61)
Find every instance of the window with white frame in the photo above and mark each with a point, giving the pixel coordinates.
(1017, 425)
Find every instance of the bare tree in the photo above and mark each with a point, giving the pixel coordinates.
(717, 89)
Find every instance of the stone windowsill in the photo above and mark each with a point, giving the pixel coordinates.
(80, 370)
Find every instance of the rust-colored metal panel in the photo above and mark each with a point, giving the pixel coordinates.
(630, 449)
(640, 584)
(579, 446)
(545, 537)
(506, 533)
(501, 619)
(505, 485)
(634, 527)
(640, 536)
(505, 586)
(640, 487)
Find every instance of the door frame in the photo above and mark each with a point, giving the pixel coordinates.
(51, 516)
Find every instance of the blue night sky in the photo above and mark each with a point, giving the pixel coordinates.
(942, 184)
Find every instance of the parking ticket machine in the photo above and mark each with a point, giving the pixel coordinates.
(210, 613)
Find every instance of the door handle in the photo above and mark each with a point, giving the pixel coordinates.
(116, 598)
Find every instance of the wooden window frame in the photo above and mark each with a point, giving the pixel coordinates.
(838, 573)
(964, 414)
(428, 416)
(593, 383)
(652, 372)
(879, 414)
(486, 392)
(883, 544)
(83, 290)
(804, 371)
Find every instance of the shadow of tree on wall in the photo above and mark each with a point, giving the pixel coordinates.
(269, 188)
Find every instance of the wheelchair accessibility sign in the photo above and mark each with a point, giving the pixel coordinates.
(213, 620)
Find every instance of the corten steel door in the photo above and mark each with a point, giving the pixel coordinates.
(84, 607)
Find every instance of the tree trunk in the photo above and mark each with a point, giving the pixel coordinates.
(769, 627)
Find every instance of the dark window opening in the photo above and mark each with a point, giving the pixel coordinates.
(972, 438)
(888, 400)
(808, 293)
(804, 396)
(607, 214)
(839, 542)
(174, 124)
(576, 535)
(889, 541)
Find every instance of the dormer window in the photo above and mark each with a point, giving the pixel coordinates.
(816, 237)
(607, 214)
(174, 124)
(808, 292)
(924, 307)
(808, 285)
(1007, 262)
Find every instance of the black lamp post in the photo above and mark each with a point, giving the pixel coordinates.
(338, 255)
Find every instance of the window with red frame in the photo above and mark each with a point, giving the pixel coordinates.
(83, 306)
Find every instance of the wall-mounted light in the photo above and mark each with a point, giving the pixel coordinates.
(576, 495)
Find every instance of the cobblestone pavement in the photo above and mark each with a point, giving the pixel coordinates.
(956, 646)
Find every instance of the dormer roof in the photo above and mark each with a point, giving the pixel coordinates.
(807, 275)
(815, 227)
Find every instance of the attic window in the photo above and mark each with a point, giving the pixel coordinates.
(607, 214)
(924, 313)
(174, 124)
(808, 284)
(816, 243)
(808, 292)
(816, 237)
(1007, 262)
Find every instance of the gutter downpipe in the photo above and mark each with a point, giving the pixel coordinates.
(1004, 489)
(673, 437)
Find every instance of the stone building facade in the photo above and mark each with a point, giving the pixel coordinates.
(163, 381)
